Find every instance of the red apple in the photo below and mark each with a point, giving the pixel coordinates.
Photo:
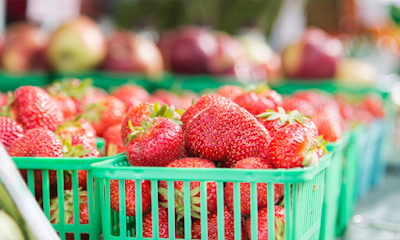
(79, 45)
(130, 52)
(24, 48)
(192, 50)
(315, 56)
(164, 45)
(1, 42)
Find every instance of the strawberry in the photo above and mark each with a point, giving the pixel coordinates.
(69, 211)
(294, 146)
(230, 91)
(113, 142)
(194, 189)
(135, 115)
(262, 197)
(328, 125)
(3, 99)
(374, 104)
(165, 97)
(157, 142)
(130, 196)
(163, 227)
(317, 98)
(259, 100)
(303, 106)
(10, 131)
(203, 103)
(35, 108)
(131, 95)
(262, 220)
(67, 106)
(226, 133)
(103, 114)
(186, 99)
(80, 131)
(212, 226)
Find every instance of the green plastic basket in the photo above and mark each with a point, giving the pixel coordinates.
(333, 183)
(10, 82)
(93, 228)
(304, 190)
(348, 194)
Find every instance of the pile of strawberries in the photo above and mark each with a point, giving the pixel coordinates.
(253, 128)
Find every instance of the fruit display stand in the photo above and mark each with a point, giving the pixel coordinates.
(60, 165)
(10, 82)
(333, 185)
(303, 197)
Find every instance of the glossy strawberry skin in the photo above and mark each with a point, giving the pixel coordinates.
(226, 133)
(328, 126)
(230, 91)
(211, 186)
(203, 103)
(35, 108)
(212, 226)
(131, 95)
(163, 226)
(272, 126)
(136, 115)
(257, 103)
(158, 146)
(112, 135)
(301, 105)
(262, 188)
(67, 106)
(113, 113)
(263, 222)
(10, 131)
(130, 196)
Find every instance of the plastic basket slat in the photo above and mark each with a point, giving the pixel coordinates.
(203, 212)
(139, 217)
(220, 202)
(60, 195)
(171, 209)
(236, 212)
(287, 204)
(271, 211)
(154, 202)
(122, 209)
(187, 217)
(31, 181)
(253, 211)
(46, 193)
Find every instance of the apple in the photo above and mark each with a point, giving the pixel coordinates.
(130, 52)
(79, 45)
(164, 45)
(1, 42)
(24, 48)
(315, 56)
(356, 72)
(192, 50)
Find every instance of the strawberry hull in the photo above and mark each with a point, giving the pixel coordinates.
(303, 191)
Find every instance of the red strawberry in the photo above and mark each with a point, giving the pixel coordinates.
(374, 104)
(203, 103)
(69, 211)
(130, 196)
(3, 99)
(103, 114)
(262, 193)
(113, 142)
(67, 106)
(212, 226)
(262, 220)
(303, 106)
(293, 146)
(89, 129)
(131, 95)
(194, 188)
(35, 108)
(163, 227)
(315, 97)
(136, 115)
(186, 99)
(226, 133)
(10, 131)
(259, 100)
(165, 97)
(158, 142)
(328, 125)
(76, 128)
(230, 91)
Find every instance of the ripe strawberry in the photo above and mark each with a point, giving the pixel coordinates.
(163, 227)
(10, 131)
(103, 114)
(230, 91)
(293, 146)
(317, 98)
(259, 100)
(328, 125)
(262, 193)
(374, 104)
(186, 99)
(67, 106)
(194, 189)
(113, 142)
(135, 115)
(156, 143)
(212, 226)
(76, 129)
(69, 212)
(3, 99)
(203, 103)
(35, 108)
(303, 106)
(131, 95)
(262, 220)
(226, 133)
(165, 97)
(130, 196)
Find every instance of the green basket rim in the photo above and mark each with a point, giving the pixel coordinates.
(107, 170)
(339, 144)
